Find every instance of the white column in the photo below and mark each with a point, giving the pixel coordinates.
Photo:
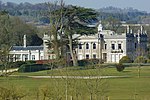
(91, 49)
(21, 57)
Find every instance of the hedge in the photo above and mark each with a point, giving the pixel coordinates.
(17, 64)
(33, 67)
(88, 62)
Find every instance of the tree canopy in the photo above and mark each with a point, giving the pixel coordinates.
(77, 20)
(12, 30)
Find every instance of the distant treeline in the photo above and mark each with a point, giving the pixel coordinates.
(128, 15)
(35, 12)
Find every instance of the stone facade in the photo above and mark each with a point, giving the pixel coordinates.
(105, 45)
(25, 53)
(112, 47)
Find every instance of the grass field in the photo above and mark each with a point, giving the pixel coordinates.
(130, 88)
(129, 71)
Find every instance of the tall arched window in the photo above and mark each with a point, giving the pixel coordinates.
(87, 46)
(94, 46)
(80, 46)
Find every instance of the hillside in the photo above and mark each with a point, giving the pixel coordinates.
(35, 12)
(129, 15)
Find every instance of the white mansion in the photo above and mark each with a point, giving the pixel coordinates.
(111, 47)
(105, 45)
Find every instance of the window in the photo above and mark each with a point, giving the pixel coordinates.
(135, 45)
(80, 46)
(113, 46)
(17, 56)
(25, 57)
(119, 46)
(94, 46)
(49, 57)
(94, 56)
(87, 56)
(87, 46)
(33, 57)
(105, 46)
(41, 58)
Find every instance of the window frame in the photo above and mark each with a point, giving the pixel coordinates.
(105, 46)
(80, 46)
(94, 56)
(94, 45)
(87, 45)
(33, 56)
(119, 46)
(113, 46)
(87, 56)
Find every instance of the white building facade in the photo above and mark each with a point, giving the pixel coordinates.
(105, 45)
(25, 53)
(111, 47)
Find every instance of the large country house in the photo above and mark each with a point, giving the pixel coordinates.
(105, 45)
(111, 47)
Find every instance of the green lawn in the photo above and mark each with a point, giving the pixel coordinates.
(131, 88)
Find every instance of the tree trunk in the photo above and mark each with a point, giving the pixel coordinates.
(91, 96)
(56, 50)
(55, 40)
(71, 51)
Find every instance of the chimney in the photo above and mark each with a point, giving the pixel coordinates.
(24, 41)
(141, 29)
(128, 29)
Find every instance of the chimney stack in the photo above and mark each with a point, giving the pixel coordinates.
(24, 41)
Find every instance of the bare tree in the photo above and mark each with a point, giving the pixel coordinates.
(12, 92)
(55, 15)
(97, 87)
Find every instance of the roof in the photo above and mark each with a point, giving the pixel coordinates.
(27, 48)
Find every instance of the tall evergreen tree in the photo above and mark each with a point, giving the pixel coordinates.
(69, 20)
(77, 20)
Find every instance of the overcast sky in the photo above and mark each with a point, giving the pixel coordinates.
(143, 5)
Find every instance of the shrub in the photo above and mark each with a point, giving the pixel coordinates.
(148, 60)
(59, 63)
(140, 59)
(17, 64)
(120, 67)
(125, 59)
(33, 67)
(87, 62)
